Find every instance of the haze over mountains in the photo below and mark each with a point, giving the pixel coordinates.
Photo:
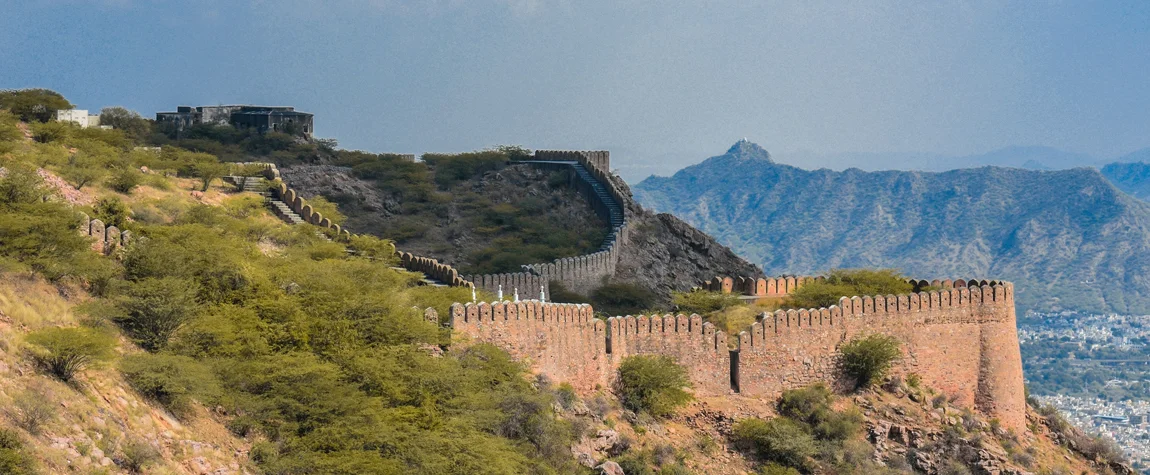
(1030, 157)
(1069, 239)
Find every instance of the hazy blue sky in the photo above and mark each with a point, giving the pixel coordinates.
(661, 84)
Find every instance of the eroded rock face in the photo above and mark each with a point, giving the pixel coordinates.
(663, 253)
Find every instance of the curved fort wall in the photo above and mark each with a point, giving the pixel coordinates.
(582, 274)
(578, 273)
(961, 340)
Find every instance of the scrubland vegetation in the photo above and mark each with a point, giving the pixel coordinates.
(514, 229)
(321, 359)
(319, 356)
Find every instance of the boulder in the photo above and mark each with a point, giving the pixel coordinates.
(609, 468)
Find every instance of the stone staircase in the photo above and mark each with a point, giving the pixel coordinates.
(614, 208)
(259, 186)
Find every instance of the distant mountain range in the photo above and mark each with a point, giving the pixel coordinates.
(1068, 239)
(1029, 157)
(1131, 174)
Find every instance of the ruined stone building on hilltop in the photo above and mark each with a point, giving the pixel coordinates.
(263, 118)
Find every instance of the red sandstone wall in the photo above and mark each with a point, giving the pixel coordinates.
(961, 341)
(698, 346)
(563, 341)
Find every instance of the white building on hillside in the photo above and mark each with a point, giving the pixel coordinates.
(79, 117)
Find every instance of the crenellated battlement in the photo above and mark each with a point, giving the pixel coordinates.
(105, 238)
(960, 339)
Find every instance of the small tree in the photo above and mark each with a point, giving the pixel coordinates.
(209, 171)
(13, 459)
(66, 351)
(779, 440)
(31, 409)
(157, 308)
(126, 120)
(33, 104)
(867, 359)
(81, 171)
(173, 381)
(137, 455)
(125, 180)
(653, 384)
(112, 211)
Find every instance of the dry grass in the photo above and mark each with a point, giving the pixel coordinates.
(32, 303)
(102, 412)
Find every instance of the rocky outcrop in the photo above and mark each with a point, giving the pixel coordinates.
(663, 253)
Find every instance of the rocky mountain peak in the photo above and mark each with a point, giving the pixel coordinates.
(747, 150)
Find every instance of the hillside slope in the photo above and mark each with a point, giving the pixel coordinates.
(1131, 177)
(96, 424)
(1068, 239)
(661, 254)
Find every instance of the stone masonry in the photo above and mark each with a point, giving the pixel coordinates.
(961, 340)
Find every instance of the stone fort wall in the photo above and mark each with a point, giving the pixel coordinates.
(961, 340)
(105, 239)
(582, 274)
(432, 268)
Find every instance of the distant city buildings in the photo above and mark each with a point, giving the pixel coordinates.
(1123, 421)
(263, 118)
(79, 117)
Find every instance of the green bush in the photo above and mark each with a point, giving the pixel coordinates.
(174, 381)
(839, 425)
(33, 104)
(13, 459)
(112, 211)
(622, 299)
(661, 460)
(653, 384)
(31, 409)
(154, 309)
(66, 351)
(125, 180)
(868, 359)
(848, 283)
(779, 440)
(772, 468)
(810, 404)
(703, 302)
(457, 167)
